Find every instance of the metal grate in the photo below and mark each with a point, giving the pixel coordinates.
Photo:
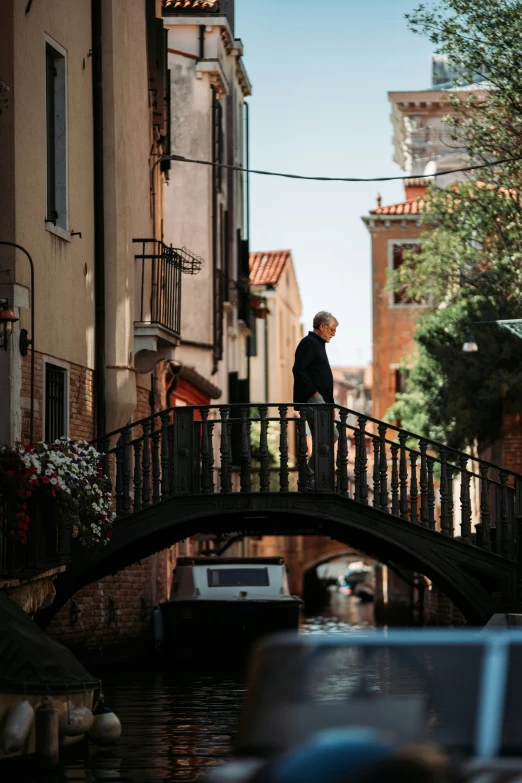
(55, 401)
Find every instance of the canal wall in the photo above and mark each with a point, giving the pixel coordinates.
(414, 602)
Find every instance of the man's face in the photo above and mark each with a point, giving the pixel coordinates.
(327, 331)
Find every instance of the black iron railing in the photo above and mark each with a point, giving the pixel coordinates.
(188, 450)
(159, 273)
(48, 544)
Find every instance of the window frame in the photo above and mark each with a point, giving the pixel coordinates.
(59, 203)
(392, 304)
(257, 569)
(58, 364)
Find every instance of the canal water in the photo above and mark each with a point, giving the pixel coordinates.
(178, 724)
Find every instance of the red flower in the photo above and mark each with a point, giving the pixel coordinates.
(53, 493)
(24, 506)
(10, 473)
(109, 533)
(45, 479)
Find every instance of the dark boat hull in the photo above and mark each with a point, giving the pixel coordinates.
(216, 629)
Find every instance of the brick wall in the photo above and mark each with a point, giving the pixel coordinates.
(142, 409)
(81, 399)
(115, 614)
(126, 623)
(512, 441)
(395, 604)
(393, 327)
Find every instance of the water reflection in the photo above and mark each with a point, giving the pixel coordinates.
(178, 723)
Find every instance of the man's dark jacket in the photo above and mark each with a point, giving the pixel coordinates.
(312, 372)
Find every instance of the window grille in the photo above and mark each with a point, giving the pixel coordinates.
(55, 402)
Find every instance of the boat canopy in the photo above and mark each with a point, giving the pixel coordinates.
(32, 662)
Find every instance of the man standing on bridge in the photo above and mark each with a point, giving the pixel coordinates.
(313, 379)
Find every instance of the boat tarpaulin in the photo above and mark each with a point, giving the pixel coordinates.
(32, 662)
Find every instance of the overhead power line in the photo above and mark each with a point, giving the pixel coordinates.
(183, 159)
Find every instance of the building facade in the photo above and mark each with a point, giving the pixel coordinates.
(394, 230)
(353, 388)
(204, 206)
(276, 328)
(423, 147)
(82, 137)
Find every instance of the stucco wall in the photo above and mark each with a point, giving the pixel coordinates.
(63, 269)
(280, 334)
(187, 198)
(127, 144)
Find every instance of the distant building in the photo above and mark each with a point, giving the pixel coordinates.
(394, 230)
(276, 330)
(423, 143)
(353, 388)
(422, 146)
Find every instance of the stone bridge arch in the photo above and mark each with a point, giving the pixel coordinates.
(478, 582)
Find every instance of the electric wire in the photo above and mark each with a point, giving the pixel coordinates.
(183, 159)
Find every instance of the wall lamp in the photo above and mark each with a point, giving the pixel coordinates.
(25, 342)
(7, 321)
(513, 325)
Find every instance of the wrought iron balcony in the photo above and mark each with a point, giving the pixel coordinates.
(158, 282)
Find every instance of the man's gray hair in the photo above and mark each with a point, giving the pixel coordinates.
(323, 317)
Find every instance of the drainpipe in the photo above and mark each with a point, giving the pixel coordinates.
(247, 226)
(247, 166)
(201, 41)
(267, 364)
(215, 282)
(99, 219)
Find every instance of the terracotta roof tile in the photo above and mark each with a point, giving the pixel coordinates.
(207, 6)
(412, 206)
(266, 268)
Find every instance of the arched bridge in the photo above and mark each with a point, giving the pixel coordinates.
(244, 468)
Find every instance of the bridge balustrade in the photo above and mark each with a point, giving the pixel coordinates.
(245, 448)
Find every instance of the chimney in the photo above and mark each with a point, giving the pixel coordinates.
(228, 8)
(416, 187)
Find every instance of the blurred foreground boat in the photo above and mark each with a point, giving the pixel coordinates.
(458, 689)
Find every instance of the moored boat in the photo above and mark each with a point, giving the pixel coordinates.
(220, 605)
(48, 700)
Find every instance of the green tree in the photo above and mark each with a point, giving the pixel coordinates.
(470, 266)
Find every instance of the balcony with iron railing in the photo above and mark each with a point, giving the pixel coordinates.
(158, 274)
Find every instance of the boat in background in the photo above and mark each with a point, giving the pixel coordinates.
(219, 606)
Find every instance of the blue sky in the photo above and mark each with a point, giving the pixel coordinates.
(321, 71)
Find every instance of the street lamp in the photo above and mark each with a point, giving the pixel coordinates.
(7, 321)
(470, 346)
(513, 325)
